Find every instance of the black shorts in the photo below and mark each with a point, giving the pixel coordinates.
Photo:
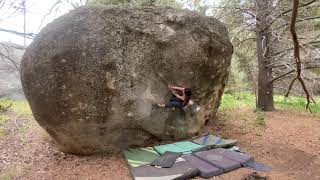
(175, 102)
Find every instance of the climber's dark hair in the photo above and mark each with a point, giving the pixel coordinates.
(187, 92)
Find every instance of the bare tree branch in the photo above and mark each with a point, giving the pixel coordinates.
(287, 11)
(8, 55)
(297, 55)
(244, 40)
(10, 59)
(282, 75)
(28, 35)
(14, 5)
(301, 5)
(300, 20)
(246, 12)
(289, 49)
(290, 86)
(50, 11)
(291, 71)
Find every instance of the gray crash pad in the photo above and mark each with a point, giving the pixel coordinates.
(206, 170)
(242, 158)
(181, 169)
(214, 141)
(218, 160)
(166, 160)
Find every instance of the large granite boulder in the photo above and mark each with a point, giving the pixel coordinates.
(93, 76)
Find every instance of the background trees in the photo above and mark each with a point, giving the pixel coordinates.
(260, 33)
(264, 61)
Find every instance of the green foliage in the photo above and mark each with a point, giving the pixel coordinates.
(3, 118)
(259, 121)
(241, 76)
(21, 107)
(296, 103)
(230, 19)
(244, 59)
(237, 100)
(247, 99)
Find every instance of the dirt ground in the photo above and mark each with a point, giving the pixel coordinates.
(289, 143)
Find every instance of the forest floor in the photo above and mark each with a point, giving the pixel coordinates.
(286, 140)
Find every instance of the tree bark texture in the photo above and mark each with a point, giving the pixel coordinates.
(265, 86)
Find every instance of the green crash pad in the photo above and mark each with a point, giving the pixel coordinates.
(214, 141)
(179, 147)
(140, 156)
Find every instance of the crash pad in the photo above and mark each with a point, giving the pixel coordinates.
(183, 147)
(166, 160)
(242, 158)
(218, 160)
(181, 169)
(214, 141)
(140, 156)
(206, 170)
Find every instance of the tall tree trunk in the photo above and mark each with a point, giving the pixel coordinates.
(265, 88)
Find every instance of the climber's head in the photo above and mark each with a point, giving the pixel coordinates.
(187, 91)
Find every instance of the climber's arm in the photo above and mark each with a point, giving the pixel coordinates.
(178, 96)
(177, 88)
(173, 89)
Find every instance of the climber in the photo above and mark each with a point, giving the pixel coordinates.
(180, 97)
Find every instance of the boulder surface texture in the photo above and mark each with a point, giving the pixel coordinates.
(93, 76)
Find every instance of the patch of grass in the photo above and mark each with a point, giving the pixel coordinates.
(259, 118)
(2, 132)
(6, 175)
(21, 107)
(247, 99)
(296, 103)
(13, 171)
(237, 100)
(3, 118)
(25, 141)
